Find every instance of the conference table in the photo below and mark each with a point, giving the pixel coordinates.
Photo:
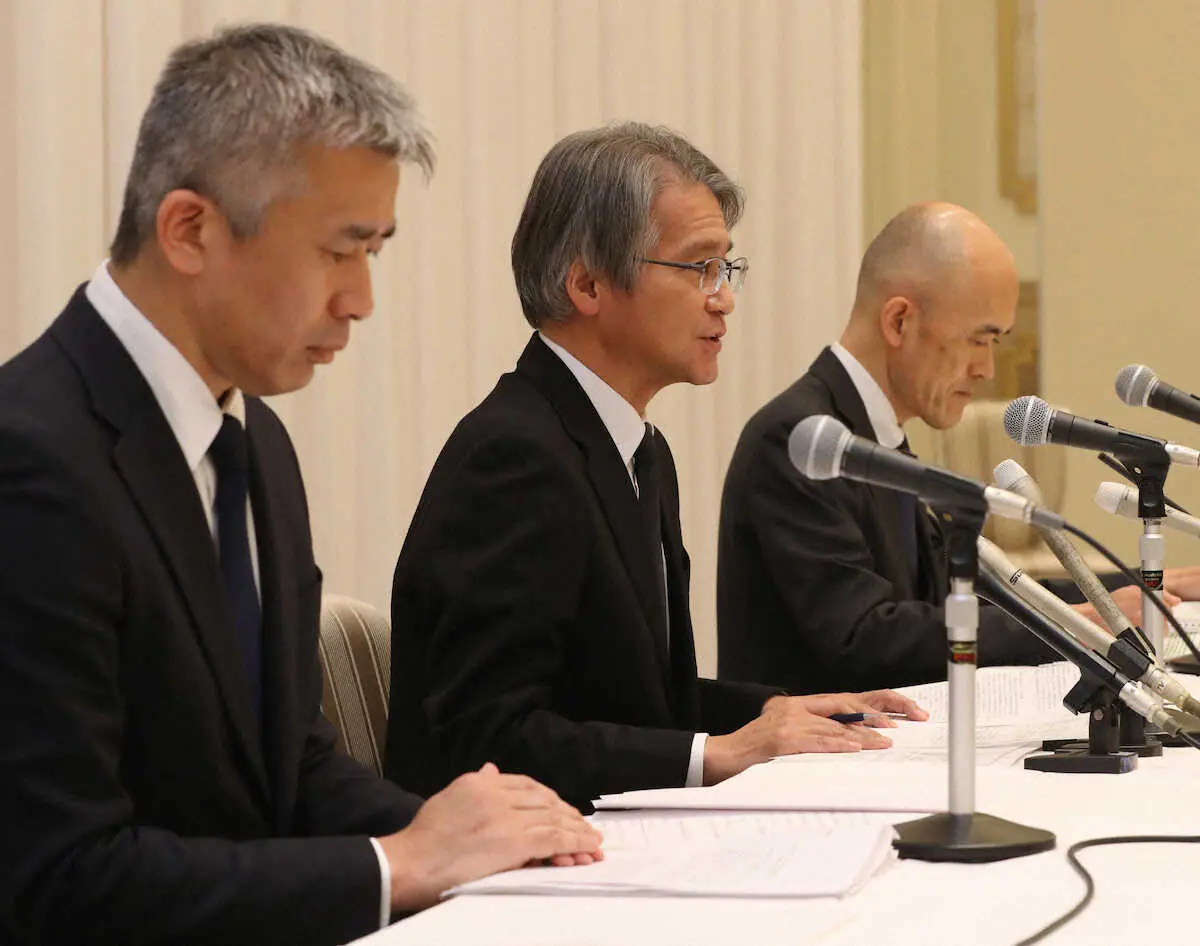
(1142, 890)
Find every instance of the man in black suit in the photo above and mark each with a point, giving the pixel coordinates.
(167, 774)
(836, 583)
(540, 604)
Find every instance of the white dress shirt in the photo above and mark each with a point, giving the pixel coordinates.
(626, 427)
(195, 418)
(888, 432)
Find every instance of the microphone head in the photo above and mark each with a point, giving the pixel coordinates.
(1008, 472)
(1115, 498)
(816, 445)
(1134, 383)
(1027, 420)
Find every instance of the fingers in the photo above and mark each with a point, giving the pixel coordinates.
(869, 738)
(827, 743)
(826, 704)
(815, 734)
(569, 860)
(560, 842)
(889, 701)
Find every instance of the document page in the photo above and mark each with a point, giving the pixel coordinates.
(1186, 613)
(843, 784)
(1006, 695)
(800, 861)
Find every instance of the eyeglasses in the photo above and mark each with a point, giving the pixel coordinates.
(714, 272)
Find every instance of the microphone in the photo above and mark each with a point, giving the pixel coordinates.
(822, 448)
(996, 589)
(1138, 386)
(1122, 500)
(1030, 420)
(1011, 475)
(1122, 654)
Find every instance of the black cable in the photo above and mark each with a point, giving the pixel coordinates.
(1090, 883)
(1122, 469)
(1147, 593)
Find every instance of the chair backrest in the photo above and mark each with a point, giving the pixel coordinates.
(356, 662)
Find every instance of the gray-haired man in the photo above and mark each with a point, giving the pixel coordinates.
(167, 775)
(540, 603)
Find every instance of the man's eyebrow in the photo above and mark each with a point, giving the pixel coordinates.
(692, 248)
(359, 231)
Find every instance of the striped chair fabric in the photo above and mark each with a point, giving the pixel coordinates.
(356, 663)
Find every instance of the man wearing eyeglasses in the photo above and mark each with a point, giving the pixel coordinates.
(540, 606)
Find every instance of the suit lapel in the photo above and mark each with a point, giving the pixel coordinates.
(148, 458)
(608, 476)
(886, 502)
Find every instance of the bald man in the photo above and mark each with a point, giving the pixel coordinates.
(837, 584)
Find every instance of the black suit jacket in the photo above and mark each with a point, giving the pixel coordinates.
(526, 628)
(813, 588)
(139, 802)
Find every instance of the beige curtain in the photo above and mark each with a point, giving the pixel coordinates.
(769, 88)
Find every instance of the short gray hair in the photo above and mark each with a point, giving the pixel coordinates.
(591, 200)
(230, 113)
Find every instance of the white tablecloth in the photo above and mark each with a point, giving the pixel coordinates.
(1143, 890)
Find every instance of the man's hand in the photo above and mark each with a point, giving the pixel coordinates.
(1129, 600)
(881, 704)
(1183, 582)
(786, 726)
(481, 823)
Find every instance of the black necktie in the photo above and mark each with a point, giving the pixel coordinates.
(645, 468)
(230, 456)
(908, 522)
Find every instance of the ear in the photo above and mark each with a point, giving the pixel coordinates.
(583, 289)
(185, 225)
(895, 318)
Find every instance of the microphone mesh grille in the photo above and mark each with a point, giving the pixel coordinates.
(1109, 496)
(1027, 420)
(1134, 383)
(1007, 472)
(815, 446)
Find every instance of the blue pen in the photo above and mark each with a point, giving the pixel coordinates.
(858, 717)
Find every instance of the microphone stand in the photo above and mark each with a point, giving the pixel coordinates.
(1095, 693)
(961, 833)
(1152, 510)
(1150, 477)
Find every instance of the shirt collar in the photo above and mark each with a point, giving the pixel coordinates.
(888, 432)
(189, 407)
(620, 418)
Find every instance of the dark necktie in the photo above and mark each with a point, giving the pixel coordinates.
(908, 523)
(646, 469)
(230, 456)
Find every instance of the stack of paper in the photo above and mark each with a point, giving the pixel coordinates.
(849, 785)
(1006, 695)
(799, 861)
(1186, 613)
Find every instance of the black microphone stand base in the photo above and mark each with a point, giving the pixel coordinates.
(1151, 748)
(969, 839)
(1116, 737)
(1083, 761)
